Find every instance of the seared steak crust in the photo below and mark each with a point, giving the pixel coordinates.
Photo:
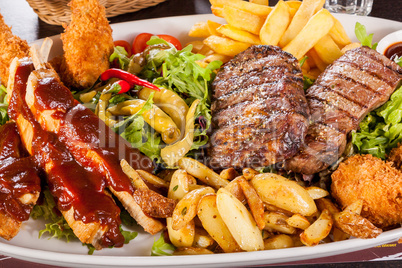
(355, 84)
(260, 114)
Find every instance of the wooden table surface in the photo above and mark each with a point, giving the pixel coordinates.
(26, 24)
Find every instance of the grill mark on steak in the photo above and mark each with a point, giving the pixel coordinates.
(259, 111)
(245, 80)
(365, 73)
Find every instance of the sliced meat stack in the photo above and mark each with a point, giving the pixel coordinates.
(355, 84)
(260, 114)
(19, 182)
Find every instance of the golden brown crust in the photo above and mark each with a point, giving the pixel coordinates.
(87, 44)
(8, 226)
(11, 46)
(395, 156)
(374, 181)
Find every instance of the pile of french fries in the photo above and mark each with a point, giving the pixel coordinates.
(302, 28)
(231, 212)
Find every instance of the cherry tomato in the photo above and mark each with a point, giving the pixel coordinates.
(173, 40)
(125, 44)
(140, 42)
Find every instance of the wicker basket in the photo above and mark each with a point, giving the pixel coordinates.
(57, 12)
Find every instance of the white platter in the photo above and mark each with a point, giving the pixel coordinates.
(27, 246)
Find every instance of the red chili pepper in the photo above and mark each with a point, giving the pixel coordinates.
(128, 77)
(119, 87)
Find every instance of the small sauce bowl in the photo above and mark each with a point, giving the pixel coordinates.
(391, 45)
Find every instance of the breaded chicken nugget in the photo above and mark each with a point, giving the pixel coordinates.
(11, 46)
(87, 44)
(374, 181)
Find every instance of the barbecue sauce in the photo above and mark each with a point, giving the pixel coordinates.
(394, 50)
(18, 175)
(72, 185)
(82, 132)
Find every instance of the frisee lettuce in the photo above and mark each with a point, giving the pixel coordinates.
(58, 227)
(179, 71)
(161, 248)
(3, 105)
(381, 130)
(120, 54)
(361, 35)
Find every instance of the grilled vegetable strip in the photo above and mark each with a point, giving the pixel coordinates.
(172, 153)
(92, 144)
(155, 117)
(170, 103)
(92, 214)
(19, 182)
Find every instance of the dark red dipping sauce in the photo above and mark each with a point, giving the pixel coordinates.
(394, 50)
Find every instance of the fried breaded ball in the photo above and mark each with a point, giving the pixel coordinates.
(87, 44)
(395, 156)
(11, 46)
(376, 182)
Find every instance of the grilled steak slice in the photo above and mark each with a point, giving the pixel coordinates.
(260, 114)
(355, 84)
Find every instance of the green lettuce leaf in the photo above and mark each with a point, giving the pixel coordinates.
(120, 54)
(161, 248)
(363, 37)
(3, 105)
(381, 130)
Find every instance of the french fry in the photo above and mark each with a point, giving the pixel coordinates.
(325, 203)
(355, 225)
(133, 175)
(202, 239)
(356, 207)
(338, 34)
(238, 35)
(316, 192)
(225, 46)
(300, 19)
(183, 237)
(191, 251)
(152, 179)
(278, 242)
(313, 73)
(228, 174)
(283, 193)
(275, 24)
(217, 11)
(239, 221)
(327, 50)
(197, 45)
(205, 50)
(339, 235)
(318, 230)
(276, 222)
(212, 222)
(179, 185)
(186, 209)
(212, 26)
(293, 7)
(234, 188)
(260, 2)
(202, 172)
(243, 20)
(350, 47)
(317, 27)
(298, 221)
(249, 173)
(215, 56)
(254, 202)
(321, 65)
(253, 8)
(199, 29)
